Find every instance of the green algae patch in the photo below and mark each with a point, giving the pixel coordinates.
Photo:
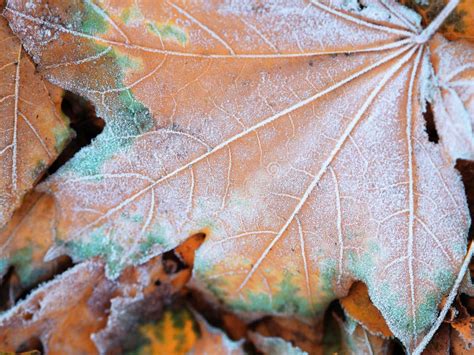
(91, 20)
(132, 14)
(327, 277)
(152, 238)
(168, 32)
(99, 244)
(21, 260)
(285, 301)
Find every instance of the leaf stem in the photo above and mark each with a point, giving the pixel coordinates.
(429, 31)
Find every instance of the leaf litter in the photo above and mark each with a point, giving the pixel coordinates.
(257, 149)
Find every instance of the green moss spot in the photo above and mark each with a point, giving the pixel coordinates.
(99, 244)
(168, 31)
(131, 14)
(151, 240)
(22, 261)
(92, 21)
(285, 301)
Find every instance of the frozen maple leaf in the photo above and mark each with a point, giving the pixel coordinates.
(290, 132)
(32, 130)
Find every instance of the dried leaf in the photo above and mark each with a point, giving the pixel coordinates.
(440, 344)
(134, 327)
(459, 25)
(66, 312)
(290, 133)
(463, 324)
(453, 99)
(458, 346)
(357, 340)
(214, 341)
(24, 245)
(33, 130)
(274, 346)
(177, 330)
(61, 319)
(307, 337)
(358, 306)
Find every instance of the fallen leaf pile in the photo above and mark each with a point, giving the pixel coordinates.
(223, 176)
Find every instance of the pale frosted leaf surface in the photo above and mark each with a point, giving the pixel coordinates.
(32, 131)
(62, 319)
(356, 340)
(292, 136)
(453, 97)
(82, 311)
(275, 345)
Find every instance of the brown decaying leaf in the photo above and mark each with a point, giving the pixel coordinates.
(61, 319)
(308, 338)
(441, 343)
(32, 129)
(358, 341)
(64, 321)
(275, 346)
(463, 324)
(24, 245)
(459, 25)
(358, 306)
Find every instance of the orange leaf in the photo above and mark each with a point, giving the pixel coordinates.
(359, 307)
(33, 131)
(291, 134)
(459, 25)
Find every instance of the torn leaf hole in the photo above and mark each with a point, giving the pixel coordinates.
(430, 125)
(33, 345)
(84, 121)
(8, 288)
(361, 4)
(171, 263)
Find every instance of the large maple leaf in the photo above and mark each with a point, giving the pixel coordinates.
(290, 132)
(32, 131)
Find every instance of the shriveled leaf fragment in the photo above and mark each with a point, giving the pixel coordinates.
(357, 340)
(307, 337)
(458, 345)
(62, 313)
(135, 327)
(273, 345)
(66, 312)
(453, 96)
(290, 133)
(441, 343)
(214, 341)
(463, 324)
(459, 25)
(140, 326)
(32, 130)
(26, 239)
(359, 307)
